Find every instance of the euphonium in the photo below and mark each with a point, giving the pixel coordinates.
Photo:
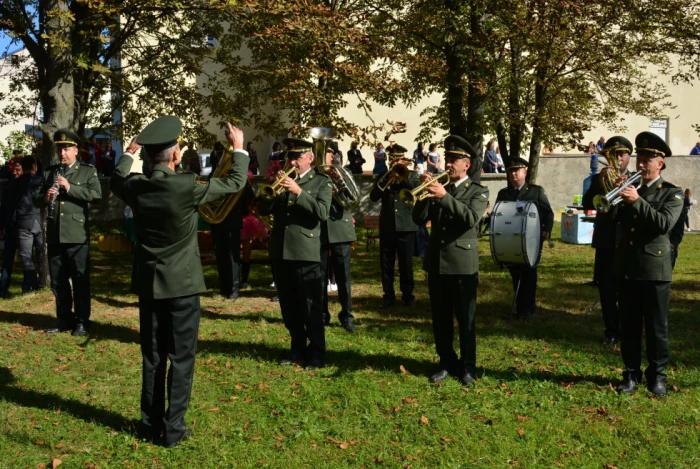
(270, 191)
(215, 212)
(398, 172)
(345, 190)
(410, 197)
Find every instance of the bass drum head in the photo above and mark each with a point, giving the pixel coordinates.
(515, 233)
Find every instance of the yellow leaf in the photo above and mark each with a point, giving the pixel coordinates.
(55, 463)
(403, 370)
(424, 420)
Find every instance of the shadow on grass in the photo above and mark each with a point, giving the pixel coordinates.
(114, 302)
(50, 401)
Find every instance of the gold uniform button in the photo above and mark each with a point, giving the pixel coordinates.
(444, 228)
(290, 202)
(396, 210)
(288, 214)
(659, 253)
(61, 214)
(632, 229)
(631, 243)
(62, 203)
(346, 219)
(311, 235)
(286, 227)
(77, 183)
(442, 241)
(635, 216)
(469, 246)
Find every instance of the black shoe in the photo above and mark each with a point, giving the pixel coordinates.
(627, 386)
(80, 331)
(148, 433)
(232, 296)
(314, 363)
(467, 378)
(657, 388)
(526, 316)
(275, 299)
(387, 303)
(291, 358)
(185, 436)
(60, 328)
(348, 324)
(410, 303)
(244, 286)
(610, 341)
(439, 376)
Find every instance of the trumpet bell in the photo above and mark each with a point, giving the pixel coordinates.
(407, 197)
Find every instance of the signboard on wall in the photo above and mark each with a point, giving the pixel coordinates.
(660, 128)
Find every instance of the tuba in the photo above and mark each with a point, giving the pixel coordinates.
(345, 190)
(215, 212)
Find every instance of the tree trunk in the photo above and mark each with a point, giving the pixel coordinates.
(536, 141)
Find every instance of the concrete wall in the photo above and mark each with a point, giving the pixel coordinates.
(562, 177)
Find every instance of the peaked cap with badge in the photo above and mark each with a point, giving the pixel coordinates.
(66, 137)
(617, 143)
(457, 147)
(650, 144)
(516, 163)
(296, 147)
(161, 134)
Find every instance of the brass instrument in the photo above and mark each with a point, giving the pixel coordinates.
(345, 190)
(603, 202)
(607, 182)
(215, 212)
(270, 191)
(410, 197)
(398, 172)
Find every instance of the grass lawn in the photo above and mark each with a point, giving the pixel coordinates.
(544, 396)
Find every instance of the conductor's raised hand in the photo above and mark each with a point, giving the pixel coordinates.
(133, 146)
(234, 135)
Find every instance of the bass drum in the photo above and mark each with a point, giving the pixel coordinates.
(515, 234)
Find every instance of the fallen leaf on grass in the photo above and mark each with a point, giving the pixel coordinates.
(39, 442)
(444, 438)
(424, 420)
(213, 409)
(675, 388)
(403, 370)
(609, 466)
(521, 432)
(59, 446)
(41, 465)
(55, 463)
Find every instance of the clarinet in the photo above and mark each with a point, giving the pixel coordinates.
(52, 205)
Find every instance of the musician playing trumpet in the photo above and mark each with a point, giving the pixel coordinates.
(643, 264)
(617, 152)
(295, 248)
(452, 258)
(396, 227)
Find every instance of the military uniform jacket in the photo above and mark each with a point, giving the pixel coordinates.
(605, 232)
(339, 227)
(395, 215)
(72, 212)
(296, 232)
(644, 250)
(166, 259)
(531, 193)
(453, 246)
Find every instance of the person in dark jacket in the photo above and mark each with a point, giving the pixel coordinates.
(7, 229)
(28, 223)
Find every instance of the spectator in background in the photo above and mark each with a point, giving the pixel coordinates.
(490, 158)
(501, 167)
(355, 160)
(687, 202)
(695, 150)
(28, 223)
(253, 165)
(592, 149)
(274, 161)
(380, 161)
(7, 229)
(109, 158)
(215, 156)
(95, 151)
(600, 145)
(276, 154)
(419, 156)
(433, 159)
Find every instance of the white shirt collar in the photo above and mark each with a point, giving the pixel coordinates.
(305, 172)
(461, 181)
(650, 183)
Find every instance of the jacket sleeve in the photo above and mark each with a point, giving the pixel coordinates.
(375, 194)
(320, 205)
(469, 213)
(660, 221)
(89, 192)
(593, 190)
(421, 211)
(546, 213)
(218, 188)
(118, 179)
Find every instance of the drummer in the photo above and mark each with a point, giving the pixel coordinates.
(520, 190)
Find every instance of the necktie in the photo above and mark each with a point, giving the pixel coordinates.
(642, 189)
(451, 188)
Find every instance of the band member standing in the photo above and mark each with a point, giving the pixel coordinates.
(604, 237)
(337, 233)
(167, 273)
(643, 262)
(295, 251)
(452, 259)
(520, 190)
(227, 245)
(397, 230)
(74, 185)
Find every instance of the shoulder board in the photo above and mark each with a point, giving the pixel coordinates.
(667, 184)
(86, 164)
(474, 183)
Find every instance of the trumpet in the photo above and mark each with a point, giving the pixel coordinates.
(398, 172)
(410, 197)
(604, 202)
(270, 191)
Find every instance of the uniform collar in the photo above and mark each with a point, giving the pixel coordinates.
(461, 181)
(163, 168)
